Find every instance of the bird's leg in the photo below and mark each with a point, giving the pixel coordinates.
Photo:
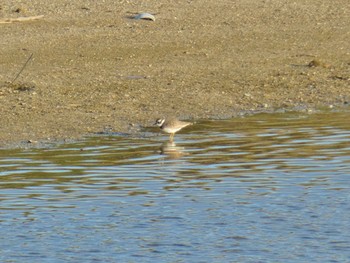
(172, 136)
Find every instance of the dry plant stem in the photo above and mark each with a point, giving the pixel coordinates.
(20, 19)
(25, 64)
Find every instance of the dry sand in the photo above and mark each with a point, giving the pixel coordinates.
(94, 68)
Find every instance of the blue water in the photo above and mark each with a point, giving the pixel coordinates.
(264, 188)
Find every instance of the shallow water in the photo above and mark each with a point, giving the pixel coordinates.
(264, 188)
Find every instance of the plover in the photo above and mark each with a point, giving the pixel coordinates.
(171, 125)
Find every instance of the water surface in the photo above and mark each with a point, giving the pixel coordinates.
(264, 188)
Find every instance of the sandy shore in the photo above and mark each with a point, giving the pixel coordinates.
(94, 68)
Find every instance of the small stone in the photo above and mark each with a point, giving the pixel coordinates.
(314, 63)
(317, 63)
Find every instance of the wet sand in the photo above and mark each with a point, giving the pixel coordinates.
(96, 69)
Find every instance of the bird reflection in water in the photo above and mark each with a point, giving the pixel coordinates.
(172, 151)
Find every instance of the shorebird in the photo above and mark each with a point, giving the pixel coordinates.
(171, 126)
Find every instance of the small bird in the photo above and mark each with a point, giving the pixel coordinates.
(171, 126)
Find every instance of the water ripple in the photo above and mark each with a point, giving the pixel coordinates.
(264, 188)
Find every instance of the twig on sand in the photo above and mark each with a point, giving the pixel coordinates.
(25, 64)
(20, 19)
